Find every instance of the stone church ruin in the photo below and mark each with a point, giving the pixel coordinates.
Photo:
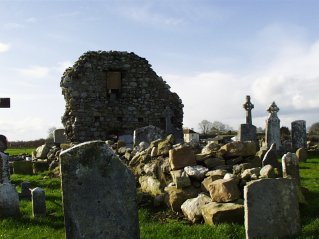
(113, 93)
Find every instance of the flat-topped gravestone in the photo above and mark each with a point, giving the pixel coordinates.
(99, 193)
(298, 134)
(271, 208)
(59, 136)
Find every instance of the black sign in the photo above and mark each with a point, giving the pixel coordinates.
(4, 102)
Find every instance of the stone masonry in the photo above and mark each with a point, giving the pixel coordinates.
(112, 93)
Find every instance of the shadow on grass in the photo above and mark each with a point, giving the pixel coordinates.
(310, 211)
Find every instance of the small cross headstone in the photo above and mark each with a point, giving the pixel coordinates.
(38, 202)
(248, 106)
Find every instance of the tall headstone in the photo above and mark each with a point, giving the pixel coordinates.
(298, 134)
(271, 208)
(272, 133)
(248, 132)
(99, 193)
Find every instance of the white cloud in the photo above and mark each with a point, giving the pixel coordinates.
(4, 47)
(211, 96)
(148, 14)
(292, 79)
(35, 71)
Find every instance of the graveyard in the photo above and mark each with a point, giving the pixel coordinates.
(122, 167)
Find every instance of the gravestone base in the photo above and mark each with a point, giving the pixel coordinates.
(248, 132)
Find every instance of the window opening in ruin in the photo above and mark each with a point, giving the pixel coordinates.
(140, 119)
(113, 83)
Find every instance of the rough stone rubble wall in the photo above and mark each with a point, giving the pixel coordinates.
(90, 112)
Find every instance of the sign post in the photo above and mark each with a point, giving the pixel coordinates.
(4, 102)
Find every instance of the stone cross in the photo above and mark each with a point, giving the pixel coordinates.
(248, 106)
(273, 108)
(168, 113)
(4, 102)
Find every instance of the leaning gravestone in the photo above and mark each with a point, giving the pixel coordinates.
(99, 194)
(147, 134)
(298, 134)
(271, 208)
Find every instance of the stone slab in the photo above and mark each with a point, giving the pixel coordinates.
(271, 208)
(99, 193)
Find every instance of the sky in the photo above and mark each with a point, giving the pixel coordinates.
(212, 54)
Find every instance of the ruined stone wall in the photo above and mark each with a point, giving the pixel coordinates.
(114, 93)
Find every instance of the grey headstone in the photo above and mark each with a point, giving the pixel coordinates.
(298, 134)
(290, 166)
(9, 201)
(147, 134)
(272, 133)
(271, 208)
(59, 136)
(38, 202)
(25, 190)
(248, 132)
(99, 193)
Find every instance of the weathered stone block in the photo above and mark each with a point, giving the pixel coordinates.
(180, 178)
(150, 185)
(181, 157)
(237, 148)
(224, 190)
(215, 213)
(175, 197)
(99, 194)
(191, 208)
(197, 171)
(271, 208)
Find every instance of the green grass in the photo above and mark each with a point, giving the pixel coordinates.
(19, 151)
(151, 227)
